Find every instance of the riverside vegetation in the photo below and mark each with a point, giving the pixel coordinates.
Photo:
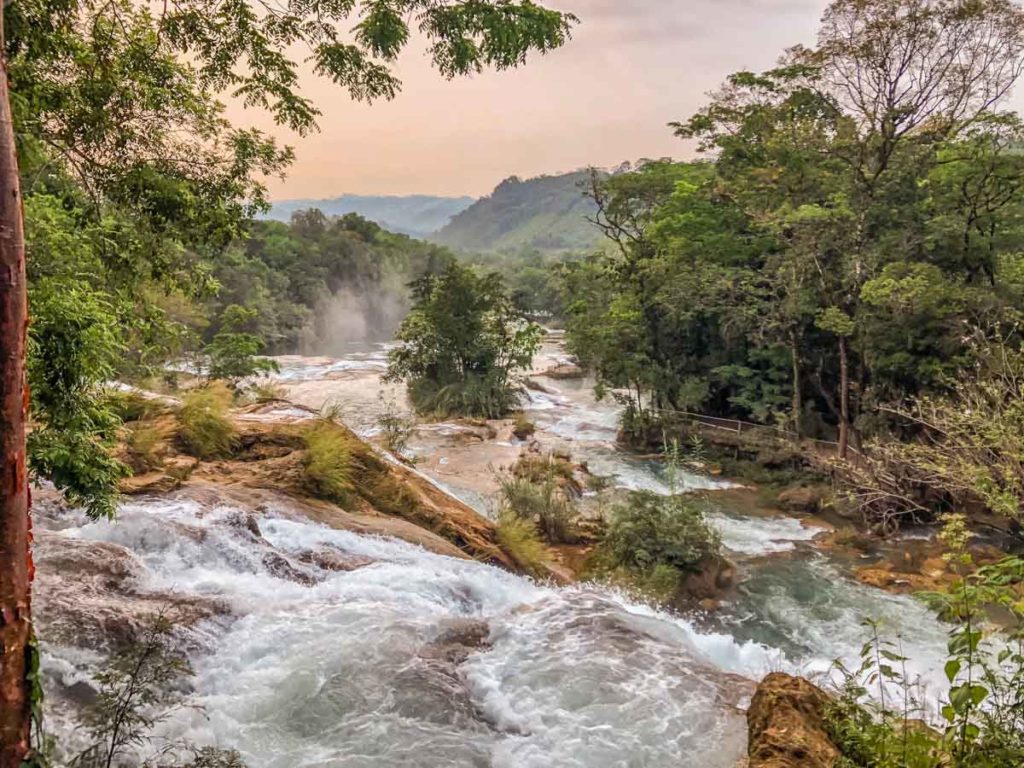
(845, 266)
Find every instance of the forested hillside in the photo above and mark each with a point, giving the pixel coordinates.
(317, 282)
(547, 213)
(416, 215)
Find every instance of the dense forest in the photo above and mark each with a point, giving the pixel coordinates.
(546, 214)
(414, 215)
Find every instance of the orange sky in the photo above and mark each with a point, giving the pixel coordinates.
(631, 67)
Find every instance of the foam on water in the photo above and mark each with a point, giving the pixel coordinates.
(333, 674)
(760, 535)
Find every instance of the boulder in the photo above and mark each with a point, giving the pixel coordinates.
(565, 371)
(713, 579)
(802, 498)
(786, 725)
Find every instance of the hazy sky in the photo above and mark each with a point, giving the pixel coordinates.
(631, 67)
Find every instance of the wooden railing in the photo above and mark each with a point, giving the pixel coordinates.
(828, 448)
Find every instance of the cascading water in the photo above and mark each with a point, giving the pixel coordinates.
(340, 671)
(320, 667)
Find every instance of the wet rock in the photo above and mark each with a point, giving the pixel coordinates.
(87, 595)
(458, 641)
(884, 577)
(247, 523)
(565, 371)
(432, 687)
(149, 483)
(802, 498)
(536, 386)
(278, 565)
(714, 578)
(786, 725)
(334, 560)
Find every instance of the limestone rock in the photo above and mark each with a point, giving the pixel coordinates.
(786, 726)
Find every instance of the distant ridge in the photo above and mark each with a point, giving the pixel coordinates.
(546, 213)
(414, 215)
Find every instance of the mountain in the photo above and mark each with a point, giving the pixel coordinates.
(414, 215)
(547, 213)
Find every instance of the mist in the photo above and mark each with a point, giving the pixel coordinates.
(351, 316)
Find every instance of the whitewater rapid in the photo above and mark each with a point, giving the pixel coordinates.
(312, 667)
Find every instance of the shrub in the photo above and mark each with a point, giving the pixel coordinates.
(233, 354)
(518, 537)
(204, 428)
(522, 427)
(481, 396)
(542, 503)
(462, 345)
(328, 464)
(139, 689)
(395, 429)
(130, 405)
(651, 530)
(984, 710)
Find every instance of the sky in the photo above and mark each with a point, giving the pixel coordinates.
(631, 67)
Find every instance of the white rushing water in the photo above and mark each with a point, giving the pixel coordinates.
(340, 672)
(318, 667)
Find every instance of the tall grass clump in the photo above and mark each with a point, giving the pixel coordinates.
(519, 539)
(328, 467)
(204, 427)
(543, 503)
(145, 443)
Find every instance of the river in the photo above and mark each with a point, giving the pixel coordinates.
(345, 670)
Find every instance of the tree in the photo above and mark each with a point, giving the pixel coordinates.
(233, 354)
(461, 345)
(107, 90)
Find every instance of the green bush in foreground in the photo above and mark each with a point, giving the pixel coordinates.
(876, 720)
(204, 427)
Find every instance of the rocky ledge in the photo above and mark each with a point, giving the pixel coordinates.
(786, 725)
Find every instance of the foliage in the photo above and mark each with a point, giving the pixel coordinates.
(135, 183)
(650, 530)
(232, 355)
(328, 463)
(855, 232)
(961, 448)
(518, 537)
(289, 276)
(72, 349)
(133, 696)
(396, 429)
(984, 710)
(461, 345)
(205, 429)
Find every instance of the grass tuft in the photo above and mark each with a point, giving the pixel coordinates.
(518, 537)
(204, 427)
(328, 465)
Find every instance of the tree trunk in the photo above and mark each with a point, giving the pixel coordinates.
(794, 348)
(844, 400)
(15, 557)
